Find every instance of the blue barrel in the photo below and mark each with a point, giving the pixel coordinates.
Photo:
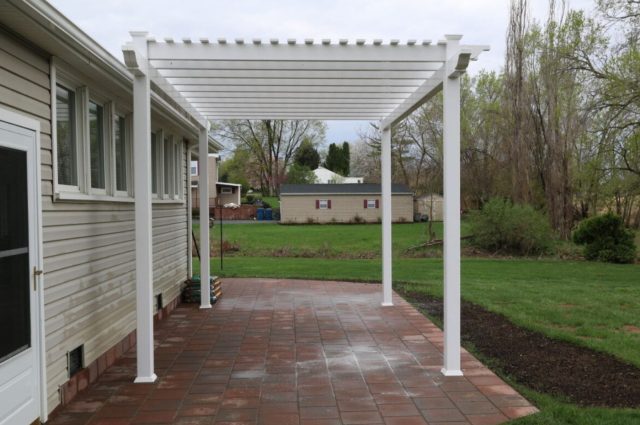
(268, 214)
(260, 213)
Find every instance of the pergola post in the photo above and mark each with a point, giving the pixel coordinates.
(203, 188)
(387, 295)
(451, 160)
(143, 213)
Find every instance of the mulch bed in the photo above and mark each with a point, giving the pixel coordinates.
(581, 375)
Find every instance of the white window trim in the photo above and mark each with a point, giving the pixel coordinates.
(326, 204)
(61, 74)
(371, 204)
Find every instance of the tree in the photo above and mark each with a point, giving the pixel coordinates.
(300, 174)
(235, 170)
(346, 159)
(516, 99)
(271, 143)
(307, 155)
(337, 159)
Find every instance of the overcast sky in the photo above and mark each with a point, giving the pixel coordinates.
(480, 21)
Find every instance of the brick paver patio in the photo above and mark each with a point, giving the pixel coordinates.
(287, 352)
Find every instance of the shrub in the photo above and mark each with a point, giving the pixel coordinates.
(502, 226)
(250, 198)
(605, 238)
(358, 219)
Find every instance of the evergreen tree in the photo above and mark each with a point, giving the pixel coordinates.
(337, 159)
(307, 155)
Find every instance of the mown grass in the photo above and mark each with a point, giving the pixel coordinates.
(324, 240)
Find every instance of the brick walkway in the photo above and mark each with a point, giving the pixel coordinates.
(297, 352)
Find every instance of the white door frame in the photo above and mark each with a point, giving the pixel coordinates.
(35, 233)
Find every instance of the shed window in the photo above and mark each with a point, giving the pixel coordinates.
(226, 190)
(66, 136)
(371, 203)
(323, 204)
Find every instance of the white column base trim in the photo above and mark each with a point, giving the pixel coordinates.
(145, 379)
(202, 307)
(384, 304)
(446, 372)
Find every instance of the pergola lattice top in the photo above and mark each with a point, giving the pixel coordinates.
(300, 80)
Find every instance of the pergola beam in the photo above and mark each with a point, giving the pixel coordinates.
(296, 52)
(432, 86)
(293, 65)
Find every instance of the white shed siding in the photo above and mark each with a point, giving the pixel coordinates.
(88, 248)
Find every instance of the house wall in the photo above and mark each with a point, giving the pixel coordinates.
(423, 206)
(344, 208)
(88, 247)
(226, 198)
(213, 178)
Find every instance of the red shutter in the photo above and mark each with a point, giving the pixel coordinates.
(365, 204)
(377, 203)
(329, 204)
(317, 203)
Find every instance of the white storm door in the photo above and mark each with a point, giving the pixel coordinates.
(19, 330)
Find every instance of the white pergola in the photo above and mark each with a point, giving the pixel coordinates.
(324, 80)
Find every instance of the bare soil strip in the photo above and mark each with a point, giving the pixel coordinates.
(579, 374)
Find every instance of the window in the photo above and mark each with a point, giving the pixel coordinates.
(121, 154)
(371, 203)
(323, 204)
(66, 136)
(226, 190)
(194, 168)
(177, 172)
(154, 164)
(93, 147)
(96, 145)
(168, 167)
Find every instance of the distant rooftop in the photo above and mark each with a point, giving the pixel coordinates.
(341, 189)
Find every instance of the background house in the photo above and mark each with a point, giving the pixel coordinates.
(220, 193)
(324, 176)
(342, 203)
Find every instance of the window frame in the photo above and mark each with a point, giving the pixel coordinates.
(107, 136)
(372, 204)
(84, 91)
(128, 150)
(54, 138)
(326, 204)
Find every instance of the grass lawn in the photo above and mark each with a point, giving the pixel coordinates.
(593, 304)
(328, 240)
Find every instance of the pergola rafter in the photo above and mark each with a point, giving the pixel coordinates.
(291, 80)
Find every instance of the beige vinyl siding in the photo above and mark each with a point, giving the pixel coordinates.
(88, 248)
(344, 208)
(90, 274)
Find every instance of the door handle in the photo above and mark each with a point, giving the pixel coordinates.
(36, 273)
